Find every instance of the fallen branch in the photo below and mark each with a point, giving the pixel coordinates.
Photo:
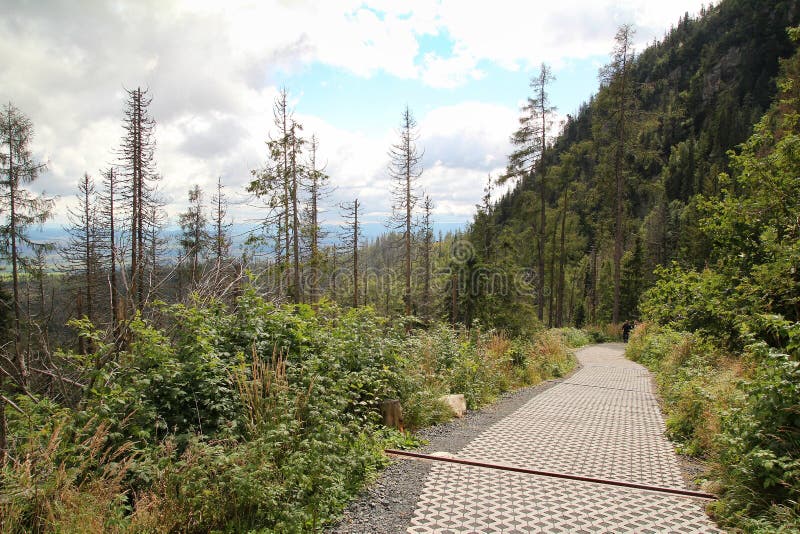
(58, 377)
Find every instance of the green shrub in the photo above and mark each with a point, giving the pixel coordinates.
(252, 417)
(423, 360)
(549, 358)
(604, 333)
(275, 482)
(695, 301)
(64, 477)
(483, 369)
(478, 364)
(758, 462)
(740, 413)
(573, 337)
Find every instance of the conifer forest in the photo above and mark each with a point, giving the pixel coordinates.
(198, 372)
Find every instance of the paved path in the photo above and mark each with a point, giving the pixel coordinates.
(604, 421)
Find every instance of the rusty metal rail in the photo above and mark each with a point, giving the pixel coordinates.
(621, 483)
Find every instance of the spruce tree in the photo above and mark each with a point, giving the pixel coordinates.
(531, 140)
(21, 209)
(617, 76)
(278, 184)
(194, 232)
(221, 241)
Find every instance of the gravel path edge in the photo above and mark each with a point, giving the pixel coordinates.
(387, 505)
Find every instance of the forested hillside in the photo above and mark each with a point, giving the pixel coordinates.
(618, 192)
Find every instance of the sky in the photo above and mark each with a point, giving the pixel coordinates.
(213, 70)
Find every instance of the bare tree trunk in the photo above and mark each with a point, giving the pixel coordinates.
(551, 293)
(365, 274)
(387, 294)
(618, 221)
(114, 296)
(335, 274)
(139, 214)
(315, 230)
(88, 249)
(426, 257)
(286, 192)
(571, 305)
(542, 216)
(562, 260)
(134, 281)
(355, 253)
(407, 296)
(454, 298)
(593, 296)
(19, 354)
(278, 267)
(297, 290)
(47, 314)
(3, 423)
(82, 345)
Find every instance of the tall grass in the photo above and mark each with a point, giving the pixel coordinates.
(72, 481)
(739, 414)
(698, 383)
(263, 390)
(478, 364)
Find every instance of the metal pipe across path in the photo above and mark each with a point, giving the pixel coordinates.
(622, 483)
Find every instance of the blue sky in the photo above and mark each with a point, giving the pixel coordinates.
(350, 66)
(350, 102)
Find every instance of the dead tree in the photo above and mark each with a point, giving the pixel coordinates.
(138, 167)
(352, 240)
(405, 168)
(317, 189)
(82, 252)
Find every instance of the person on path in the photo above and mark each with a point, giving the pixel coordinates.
(627, 326)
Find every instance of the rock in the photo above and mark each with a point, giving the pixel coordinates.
(457, 404)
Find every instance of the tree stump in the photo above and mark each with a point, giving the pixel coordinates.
(392, 414)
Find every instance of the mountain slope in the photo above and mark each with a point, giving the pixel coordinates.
(698, 92)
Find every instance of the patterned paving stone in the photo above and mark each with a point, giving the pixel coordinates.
(604, 422)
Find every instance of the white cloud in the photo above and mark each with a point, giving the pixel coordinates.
(521, 35)
(212, 69)
(468, 135)
(448, 73)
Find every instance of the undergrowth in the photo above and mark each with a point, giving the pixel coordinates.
(739, 414)
(246, 418)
